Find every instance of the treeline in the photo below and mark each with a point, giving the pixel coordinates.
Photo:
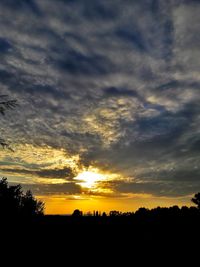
(141, 212)
(163, 211)
(144, 212)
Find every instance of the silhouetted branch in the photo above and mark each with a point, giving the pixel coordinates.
(6, 104)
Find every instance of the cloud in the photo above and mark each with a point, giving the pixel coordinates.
(116, 83)
(154, 189)
(114, 91)
(77, 63)
(65, 173)
(53, 189)
(5, 46)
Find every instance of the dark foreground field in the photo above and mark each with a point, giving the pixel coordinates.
(140, 228)
(129, 239)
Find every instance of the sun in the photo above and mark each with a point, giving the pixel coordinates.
(89, 178)
(94, 180)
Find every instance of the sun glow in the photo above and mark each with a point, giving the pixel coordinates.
(93, 180)
(89, 179)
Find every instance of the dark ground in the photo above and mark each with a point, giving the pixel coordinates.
(97, 240)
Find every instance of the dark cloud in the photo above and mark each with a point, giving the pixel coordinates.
(181, 175)
(5, 46)
(113, 91)
(66, 173)
(53, 189)
(100, 11)
(77, 63)
(133, 36)
(156, 189)
(21, 5)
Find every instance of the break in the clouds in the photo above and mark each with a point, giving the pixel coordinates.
(115, 82)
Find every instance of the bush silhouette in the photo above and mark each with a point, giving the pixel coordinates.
(77, 213)
(13, 202)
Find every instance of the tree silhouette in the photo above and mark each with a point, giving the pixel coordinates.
(5, 104)
(196, 200)
(10, 197)
(31, 206)
(77, 213)
(13, 202)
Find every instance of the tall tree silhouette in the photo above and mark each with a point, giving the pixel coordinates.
(5, 104)
(13, 202)
(10, 198)
(196, 200)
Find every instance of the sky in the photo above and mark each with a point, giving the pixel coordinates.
(108, 94)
